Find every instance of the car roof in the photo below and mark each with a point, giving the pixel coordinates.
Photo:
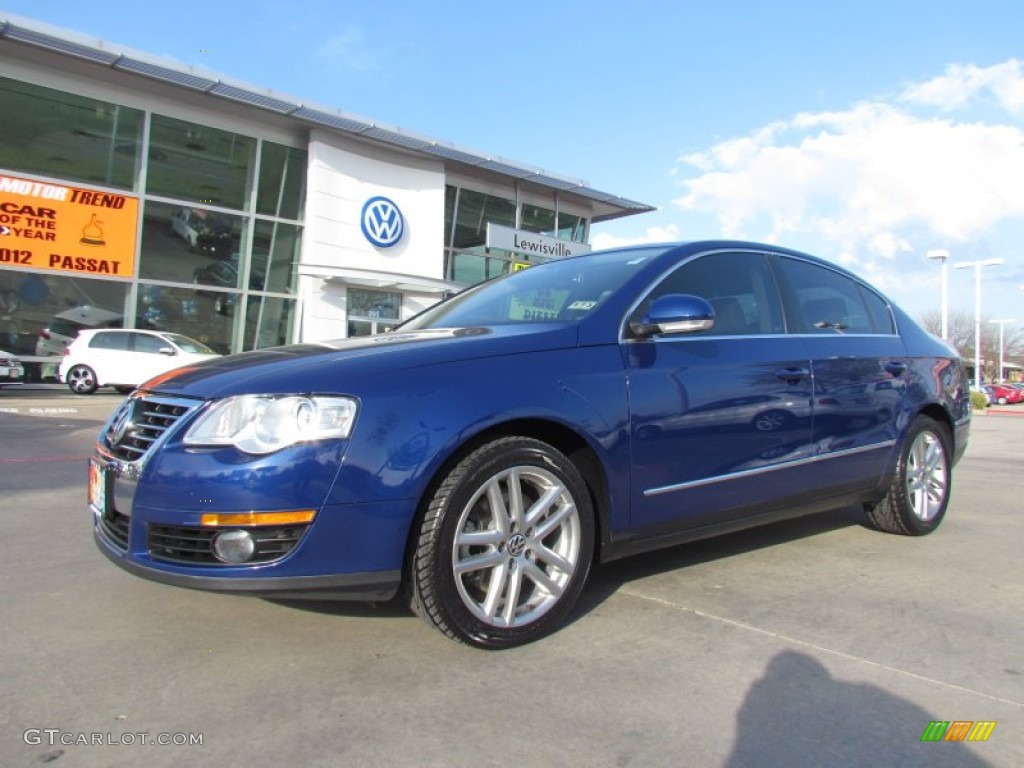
(94, 331)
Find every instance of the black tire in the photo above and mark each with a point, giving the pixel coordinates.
(540, 559)
(919, 493)
(81, 380)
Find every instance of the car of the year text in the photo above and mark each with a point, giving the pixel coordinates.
(480, 458)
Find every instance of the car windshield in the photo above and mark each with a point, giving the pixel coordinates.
(189, 345)
(558, 291)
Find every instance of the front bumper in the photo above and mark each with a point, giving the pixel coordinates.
(151, 500)
(379, 586)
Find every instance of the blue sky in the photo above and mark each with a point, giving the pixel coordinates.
(866, 133)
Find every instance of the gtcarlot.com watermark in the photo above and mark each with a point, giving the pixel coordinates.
(55, 737)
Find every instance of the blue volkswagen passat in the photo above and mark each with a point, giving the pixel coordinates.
(482, 456)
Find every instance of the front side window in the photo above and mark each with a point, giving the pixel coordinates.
(149, 344)
(738, 285)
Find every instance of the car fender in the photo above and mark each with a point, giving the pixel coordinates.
(397, 451)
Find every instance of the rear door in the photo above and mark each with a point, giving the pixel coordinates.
(858, 364)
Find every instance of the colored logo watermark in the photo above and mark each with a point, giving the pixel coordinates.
(958, 730)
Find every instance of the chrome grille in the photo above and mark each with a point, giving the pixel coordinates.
(140, 422)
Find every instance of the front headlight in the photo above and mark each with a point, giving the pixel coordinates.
(263, 424)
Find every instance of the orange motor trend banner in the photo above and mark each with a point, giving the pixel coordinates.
(66, 229)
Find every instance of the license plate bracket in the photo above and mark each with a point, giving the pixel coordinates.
(98, 487)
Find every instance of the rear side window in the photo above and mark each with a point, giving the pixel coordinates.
(110, 341)
(823, 301)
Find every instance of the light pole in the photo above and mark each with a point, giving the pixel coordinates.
(977, 265)
(1002, 326)
(942, 256)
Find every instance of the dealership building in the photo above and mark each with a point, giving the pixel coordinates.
(138, 191)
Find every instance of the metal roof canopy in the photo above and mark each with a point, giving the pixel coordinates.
(98, 52)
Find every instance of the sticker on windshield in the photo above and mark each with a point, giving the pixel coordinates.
(583, 305)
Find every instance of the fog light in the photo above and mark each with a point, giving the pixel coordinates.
(234, 546)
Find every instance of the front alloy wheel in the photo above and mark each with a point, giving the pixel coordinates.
(505, 545)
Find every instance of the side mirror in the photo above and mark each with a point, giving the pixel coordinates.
(674, 313)
(169, 351)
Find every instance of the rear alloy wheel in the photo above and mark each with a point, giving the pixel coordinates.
(919, 493)
(82, 380)
(505, 545)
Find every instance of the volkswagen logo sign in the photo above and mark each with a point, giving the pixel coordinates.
(382, 222)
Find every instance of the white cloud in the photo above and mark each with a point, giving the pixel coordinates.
(875, 181)
(602, 240)
(963, 84)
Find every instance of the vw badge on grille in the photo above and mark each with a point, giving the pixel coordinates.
(122, 424)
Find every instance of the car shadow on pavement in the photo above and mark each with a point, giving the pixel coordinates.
(796, 713)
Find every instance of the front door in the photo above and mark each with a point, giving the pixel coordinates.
(719, 415)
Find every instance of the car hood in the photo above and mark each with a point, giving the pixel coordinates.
(332, 366)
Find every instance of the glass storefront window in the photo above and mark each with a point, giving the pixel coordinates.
(191, 312)
(371, 312)
(178, 241)
(268, 322)
(282, 187)
(41, 313)
(275, 252)
(198, 163)
(450, 194)
(537, 219)
(52, 133)
(475, 211)
(375, 305)
(572, 228)
(472, 268)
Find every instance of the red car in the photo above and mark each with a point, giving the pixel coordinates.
(1004, 394)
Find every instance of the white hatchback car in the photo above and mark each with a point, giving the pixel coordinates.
(124, 358)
